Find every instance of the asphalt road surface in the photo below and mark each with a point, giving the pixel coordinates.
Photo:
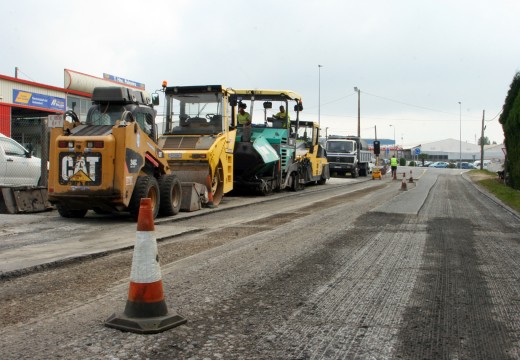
(350, 269)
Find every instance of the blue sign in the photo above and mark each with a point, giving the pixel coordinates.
(387, 150)
(123, 81)
(38, 100)
(417, 151)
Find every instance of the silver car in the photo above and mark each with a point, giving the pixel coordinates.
(17, 165)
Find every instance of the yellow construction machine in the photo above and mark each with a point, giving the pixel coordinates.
(199, 136)
(273, 153)
(309, 152)
(112, 160)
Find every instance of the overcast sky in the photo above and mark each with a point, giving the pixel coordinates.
(414, 60)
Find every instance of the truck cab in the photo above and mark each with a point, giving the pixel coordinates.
(348, 154)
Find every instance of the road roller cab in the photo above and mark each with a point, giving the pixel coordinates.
(199, 136)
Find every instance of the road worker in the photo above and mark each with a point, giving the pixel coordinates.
(284, 116)
(393, 165)
(243, 116)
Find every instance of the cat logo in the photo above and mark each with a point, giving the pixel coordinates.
(80, 176)
(80, 169)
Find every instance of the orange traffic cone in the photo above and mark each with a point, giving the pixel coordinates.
(403, 183)
(210, 203)
(411, 177)
(145, 310)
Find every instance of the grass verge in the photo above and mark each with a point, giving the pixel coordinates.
(490, 181)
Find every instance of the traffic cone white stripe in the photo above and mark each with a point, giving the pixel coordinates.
(145, 311)
(145, 262)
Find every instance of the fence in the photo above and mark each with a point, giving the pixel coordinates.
(33, 134)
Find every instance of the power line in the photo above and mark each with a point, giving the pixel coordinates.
(391, 119)
(412, 105)
(332, 101)
(27, 76)
(500, 112)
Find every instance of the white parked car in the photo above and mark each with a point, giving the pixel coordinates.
(476, 164)
(17, 165)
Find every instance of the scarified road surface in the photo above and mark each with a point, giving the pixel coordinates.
(369, 273)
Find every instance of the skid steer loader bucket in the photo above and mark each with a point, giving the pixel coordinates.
(23, 199)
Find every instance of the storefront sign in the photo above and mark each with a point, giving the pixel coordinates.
(54, 121)
(123, 81)
(38, 100)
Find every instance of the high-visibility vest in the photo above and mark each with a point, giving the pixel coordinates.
(243, 119)
(393, 161)
(282, 115)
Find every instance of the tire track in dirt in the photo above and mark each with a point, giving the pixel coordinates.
(356, 313)
(452, 313)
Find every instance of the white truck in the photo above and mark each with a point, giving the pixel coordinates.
(348, 154)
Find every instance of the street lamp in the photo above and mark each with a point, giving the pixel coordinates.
(460, 133)
(394, 138)
(319, 94)
(358, 121)
(358, 111)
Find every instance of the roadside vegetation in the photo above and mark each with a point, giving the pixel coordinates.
(494, 185)
(510, 120)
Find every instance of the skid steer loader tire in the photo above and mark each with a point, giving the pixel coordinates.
(170, 189)
(145, 187)
(65, 212)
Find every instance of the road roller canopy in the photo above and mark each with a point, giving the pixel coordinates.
(266, 95)
(197, 110)
(269, 102)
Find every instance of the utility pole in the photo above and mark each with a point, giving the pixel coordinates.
(460, 133)
(482, 142)
(319, 94)
(356, 89)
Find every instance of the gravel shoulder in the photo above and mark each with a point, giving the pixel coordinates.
(341, 277)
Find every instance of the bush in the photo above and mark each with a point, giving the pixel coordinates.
(402, 161)
(510, 120)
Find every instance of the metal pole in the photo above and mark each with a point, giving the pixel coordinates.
(319, 94)
(460, 133)
(44, 153)
(395, 149)
(359, 113)
(482, 142)
(358, 120)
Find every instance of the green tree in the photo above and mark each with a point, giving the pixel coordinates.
(486, 141)
(510, 120)
(423, 157)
